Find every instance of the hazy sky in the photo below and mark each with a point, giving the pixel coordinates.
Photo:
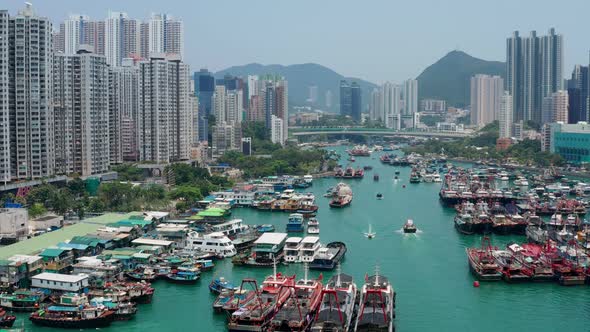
(375, 40)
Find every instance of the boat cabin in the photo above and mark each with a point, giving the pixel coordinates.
(310, 247)
(292, 249)
(269, 246)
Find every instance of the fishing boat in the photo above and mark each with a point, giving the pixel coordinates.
(74, 312)
(256, 315)
(414, 177)
(512, 270)
(329, 256)
(502, 225)
(239, 297)
(142, 273)
(124, 310)
(343, 196)
(223, 297)
(219, 285)
(6, 320)
(337, 305)
(295, 223)
(359, 173)
(267, 228)
(464, 223)
(359, 150)
(377, 305)
(482, 263)
(22, 300)
(183, 277)
(379, 196)
(409, 226)
(348, 173)
(370, 234)
(300, 308)
(205, 264)
(536, 234)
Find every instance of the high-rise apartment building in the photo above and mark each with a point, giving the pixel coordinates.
(275, 102)
(225, 137)
(356, 101)
(555, 107)
(164, 121)
(345, 98)
(219, 103)
(81, 102)
(486, 96)
(204, 89)
(164, 35)
(123, 112)
(578, 95)
(276, 130)
(26, 99)
(534, 70)
(505, 116)
(234, 106)
(410, 97)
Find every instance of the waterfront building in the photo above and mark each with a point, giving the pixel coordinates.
(60, 282)
(571, 141)
(14, 226)
(505, 116)
(26, 108)
(486, 96)
(81, 106)
(534, 70)
(164, 125)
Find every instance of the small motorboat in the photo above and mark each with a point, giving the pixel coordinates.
(379, 196)
(370, 234)
(396, 172)
(218, 285)
(376, 177)
(396, 177)
(409, 226)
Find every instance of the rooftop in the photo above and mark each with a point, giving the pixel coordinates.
(60, 277)
(310, 239)
(271, 238)
(38, 243)
(152, 242)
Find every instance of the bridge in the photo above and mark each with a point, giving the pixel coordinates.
(306, 131)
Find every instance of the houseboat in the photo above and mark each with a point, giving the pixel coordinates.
(310, 246)
(292, 249)
(329, 256)
(295, 223)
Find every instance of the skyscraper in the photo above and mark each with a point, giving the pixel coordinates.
(578, 94)
(555, 107)
(345, 98)
(534, 70)
(114, 37)
(410, 96)
(123, 112)
(276, 130)
(356, 101)
(391, 101)
(165, 35)
(375, 107)
(26, 119)
(204, 89)
(486, 95)
(328, 99)
(219, 103)
(275, 102)
(81, 101)
(164, 109)
(225, 137)
(505, 117)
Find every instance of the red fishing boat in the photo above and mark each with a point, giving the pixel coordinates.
(482, 263)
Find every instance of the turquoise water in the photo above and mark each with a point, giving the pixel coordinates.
(428, 270)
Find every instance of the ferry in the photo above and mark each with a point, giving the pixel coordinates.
(295, 223)
(329, 256)
(377, 305)
(215, 242)
(338, 304)
(231, 228)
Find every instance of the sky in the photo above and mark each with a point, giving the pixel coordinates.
(376, 40)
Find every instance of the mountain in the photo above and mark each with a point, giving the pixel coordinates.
(449, 77)
(300, 78)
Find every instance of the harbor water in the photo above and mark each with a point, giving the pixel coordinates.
(428, 270)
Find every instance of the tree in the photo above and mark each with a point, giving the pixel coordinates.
(77, 187)
(37, 210)
(62, 201)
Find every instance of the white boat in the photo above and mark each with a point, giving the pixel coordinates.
(308, 178)
(310, 246)
(230, 228)
(437, 178)
(313, 226)
(292, 249)
(216, 242)
(370, 234)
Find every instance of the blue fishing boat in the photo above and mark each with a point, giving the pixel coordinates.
(218, 285)
(295, 223)
(183, 277)
(265, 228)
(205, 264)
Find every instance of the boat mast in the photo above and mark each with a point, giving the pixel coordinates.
(338, 281)
(274, 268)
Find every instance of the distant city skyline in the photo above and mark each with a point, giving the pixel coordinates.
(378, 54)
